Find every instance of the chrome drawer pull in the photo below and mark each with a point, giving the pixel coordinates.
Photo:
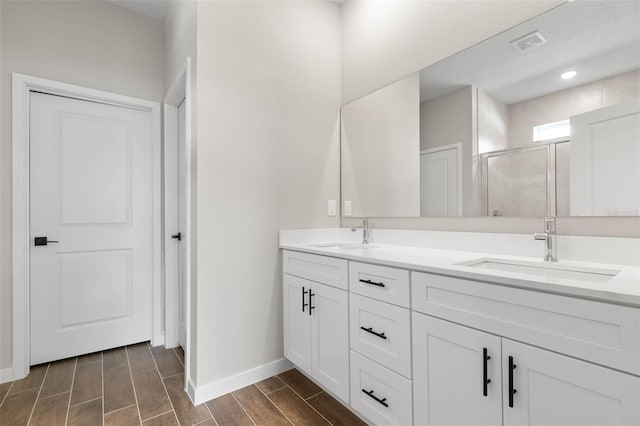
(370, 330)
(381, 401)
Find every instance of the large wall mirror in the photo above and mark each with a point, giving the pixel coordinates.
(541, 120)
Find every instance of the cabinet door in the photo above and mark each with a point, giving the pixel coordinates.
(297, 321)
(449, 372)
(330, 339)
(553, 389)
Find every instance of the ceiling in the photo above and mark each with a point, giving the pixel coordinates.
(597, 39)
(152, 8)
(157, 9)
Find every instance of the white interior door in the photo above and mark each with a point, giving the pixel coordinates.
(439, 183)
(605, 161)
(182, 223)
(91, 192)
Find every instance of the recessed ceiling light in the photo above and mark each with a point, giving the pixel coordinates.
(568, 75)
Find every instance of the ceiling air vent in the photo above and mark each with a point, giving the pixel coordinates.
(529, 41)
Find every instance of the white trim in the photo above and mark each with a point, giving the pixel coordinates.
(6, 375)
(229, 384)
(179, 91)
(171, 249)
(22, 85)
(458, 148)
(174, 97)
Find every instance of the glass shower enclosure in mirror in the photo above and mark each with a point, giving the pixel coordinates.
(541, 120)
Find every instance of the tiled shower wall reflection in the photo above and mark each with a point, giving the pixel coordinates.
(528, 182)
(523, 180)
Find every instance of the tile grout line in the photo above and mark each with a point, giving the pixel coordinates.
(135, 393)
(73, 381)
(174, 354)
(284, 385)
(158, 415)
(7, 394)
(314, 395)
(55, 394)
(241, 407)
(38, 395)
(210, 413)
(119, 409)
(275, 405)
(205, 420)
(180, 360)
(305, 401)
(163, 385)
(84, 402)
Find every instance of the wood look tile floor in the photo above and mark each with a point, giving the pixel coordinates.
(143, 385)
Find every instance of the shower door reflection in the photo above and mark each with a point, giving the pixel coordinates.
(532, 181)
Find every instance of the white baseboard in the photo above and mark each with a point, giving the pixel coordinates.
(191, 391)
(6, 374)
(213, 390)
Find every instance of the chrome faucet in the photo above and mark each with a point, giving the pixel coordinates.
(366, 231)
(548, 236)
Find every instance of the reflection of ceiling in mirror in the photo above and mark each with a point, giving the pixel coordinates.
(597, 39)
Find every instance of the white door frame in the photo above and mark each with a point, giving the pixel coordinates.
(458, 148)
(179, 91)
(22, 85)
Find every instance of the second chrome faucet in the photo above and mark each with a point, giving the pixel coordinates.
(548, 236)
(366, 231)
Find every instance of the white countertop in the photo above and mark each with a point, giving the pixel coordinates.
(623, 288)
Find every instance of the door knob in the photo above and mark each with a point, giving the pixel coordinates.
(177, 236)
(43, 241)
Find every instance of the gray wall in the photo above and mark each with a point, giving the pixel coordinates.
(93, 44)
(180, 43)
(268, 158)
(380, 151)
(450, 119)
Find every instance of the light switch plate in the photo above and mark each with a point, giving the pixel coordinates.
(331, 208)
(347, 208)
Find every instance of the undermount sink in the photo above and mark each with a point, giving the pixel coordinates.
(345, 246)
(551, 270)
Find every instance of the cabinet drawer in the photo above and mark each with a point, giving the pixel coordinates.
(322, 269)
(381, 332)
(599, 332)
(380, 282)
(379, 394)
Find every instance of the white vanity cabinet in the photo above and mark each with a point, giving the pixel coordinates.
(316, 319)
(403, 347)
(528, 385)
(466, 376)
